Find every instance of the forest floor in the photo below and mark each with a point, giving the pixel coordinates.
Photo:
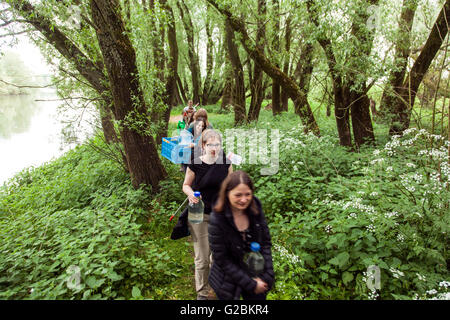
(175, 119)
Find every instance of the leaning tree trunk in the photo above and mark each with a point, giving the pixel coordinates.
(303, 72)
(120, 62)
(209, 61)
(238, 71)
(406, 94)
(194, 64)
(256, 85)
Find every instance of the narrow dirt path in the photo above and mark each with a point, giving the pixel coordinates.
(175, 118)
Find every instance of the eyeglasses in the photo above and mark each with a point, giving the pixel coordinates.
(215, 145)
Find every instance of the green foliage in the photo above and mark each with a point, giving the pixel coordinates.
(338, 213)
(76, 229)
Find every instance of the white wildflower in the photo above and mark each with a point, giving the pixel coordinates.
(421, 278)
(396, 273)
(432, 292)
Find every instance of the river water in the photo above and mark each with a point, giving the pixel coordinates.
(31, 130)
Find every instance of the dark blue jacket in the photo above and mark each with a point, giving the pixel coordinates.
(228, 276)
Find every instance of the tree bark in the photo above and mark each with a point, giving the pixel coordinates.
(171, 94)
(194, 64)
(238, 71)
(256, 83)
(360, 103)
(346, 98)
(402, 48)
(276, 88)
(120, 61)
(209, 62)
(284, 95)
(303, 72)
(406, 93)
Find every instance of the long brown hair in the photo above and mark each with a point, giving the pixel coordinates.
(202, 113)
(232, 181)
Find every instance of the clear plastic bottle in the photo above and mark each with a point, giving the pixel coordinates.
(185, 137)
(254, 259)
(195, 210)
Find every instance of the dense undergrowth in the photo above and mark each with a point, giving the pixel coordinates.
(75, 228)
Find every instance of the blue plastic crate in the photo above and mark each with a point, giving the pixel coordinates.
(176, 153)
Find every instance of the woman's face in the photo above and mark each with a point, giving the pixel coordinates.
(198, 127)
(240, 197)
(212, 146)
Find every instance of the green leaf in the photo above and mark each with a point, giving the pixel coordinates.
(136, 292)
(340, 260)
(347, 277)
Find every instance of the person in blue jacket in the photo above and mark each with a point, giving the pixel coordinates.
(237, 220)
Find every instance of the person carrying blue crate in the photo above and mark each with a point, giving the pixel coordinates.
(196, 128)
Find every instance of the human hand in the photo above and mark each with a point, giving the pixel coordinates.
(261, 286)
(192, 198)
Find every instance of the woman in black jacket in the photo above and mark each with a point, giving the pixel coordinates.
(237, 220)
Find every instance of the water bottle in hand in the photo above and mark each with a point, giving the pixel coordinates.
(254, 259)
(195, 210)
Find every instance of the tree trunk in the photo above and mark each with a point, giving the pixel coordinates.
(209, 61)
(342, 113)
(361, 120)
(406, 94)
(284, 95)
(256, 84)
(238, 71)
(181, 89)
(401, 56)
(120, 61)
(360, 103)
(276, 88)
(303, 72)
(170, 95)
(346, 98)
(194, 64)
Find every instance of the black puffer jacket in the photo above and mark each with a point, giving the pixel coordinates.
(228, 276)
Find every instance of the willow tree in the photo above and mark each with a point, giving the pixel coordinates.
(101, 67)
(405, 94)
(269, 67)
(129, 105)
(350, 67)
